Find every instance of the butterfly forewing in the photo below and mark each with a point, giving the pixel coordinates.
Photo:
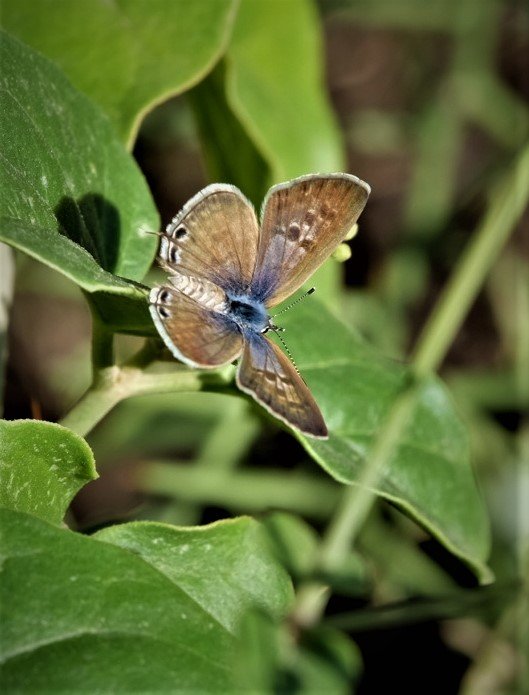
(194, 334)
(303, 221)
(214, 237)
(267, 375)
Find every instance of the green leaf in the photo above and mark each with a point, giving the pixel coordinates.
(296, 546)
(216, 565)
(71, 196)
(126, 56)
(429, 476)
(42, 466)
(294, 541)
(268, 660)
(79, 610)
(230, 155)
(120, 303)
(275, 85)
(327, 661)
(257, 653)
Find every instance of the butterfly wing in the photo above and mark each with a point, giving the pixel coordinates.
(194, 334)
(213, 237)
(268, 376)
(303, 221)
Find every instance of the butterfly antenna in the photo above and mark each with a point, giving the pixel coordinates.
(296, 301)
(276, 331)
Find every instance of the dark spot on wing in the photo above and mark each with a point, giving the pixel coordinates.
(173, 254)
(307, 244)
(293, 232)
(309, 217)
(164, 296)
(180, 233)
(163, 312)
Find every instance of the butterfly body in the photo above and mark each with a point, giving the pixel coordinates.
(248, 313)
(226, 271)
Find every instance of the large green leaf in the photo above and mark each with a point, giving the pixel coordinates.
(229, 153)
(71, 195)
(429, 475)
(42, 466)
(79, 610)
(64, 170)
(126, 56)
(120, 303)
(275, 87)
(226, 567)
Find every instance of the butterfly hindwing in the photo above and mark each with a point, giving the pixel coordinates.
(303, 221)
(194, 334)
(268, 375)
(213, 237)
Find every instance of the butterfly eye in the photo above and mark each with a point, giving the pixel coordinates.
(180, 233)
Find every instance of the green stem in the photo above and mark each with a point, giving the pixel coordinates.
(252, 491)
(102, 346)
(114, 384)
(463, 602)
(505, 208)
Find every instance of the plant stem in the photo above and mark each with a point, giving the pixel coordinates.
(459, 602)
(102, 346)
(114, 384)
(505, 208)
(252, 491)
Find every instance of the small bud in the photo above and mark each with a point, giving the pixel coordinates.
(352, 232)
(342, 253)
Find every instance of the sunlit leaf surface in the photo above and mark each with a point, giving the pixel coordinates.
(126, 56)
(429, 475)
(120, 619)
(64, 169)
(42, 466)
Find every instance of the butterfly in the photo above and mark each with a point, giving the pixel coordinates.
(226, 271)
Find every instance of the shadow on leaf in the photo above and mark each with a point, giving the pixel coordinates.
(93, 223)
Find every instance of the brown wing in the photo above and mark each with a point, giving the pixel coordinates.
(194, 334)
(213, 237)
(303, 221)
(269, 377)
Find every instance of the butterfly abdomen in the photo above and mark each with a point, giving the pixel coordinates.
(202, 291)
